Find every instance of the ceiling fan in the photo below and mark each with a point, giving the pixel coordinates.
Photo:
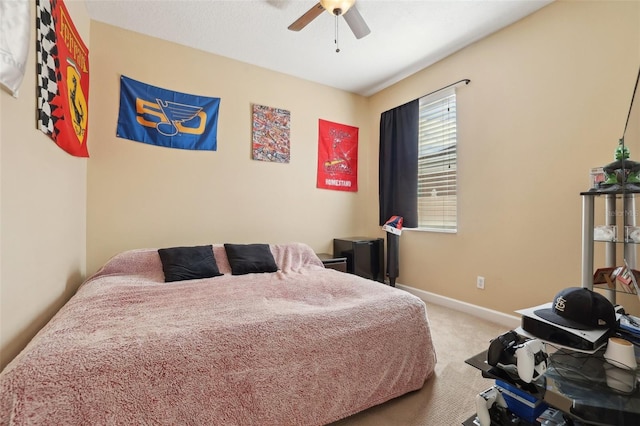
(346, 8)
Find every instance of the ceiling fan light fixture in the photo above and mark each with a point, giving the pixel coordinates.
(337, 7)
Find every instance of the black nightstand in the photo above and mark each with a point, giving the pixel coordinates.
(331, 262)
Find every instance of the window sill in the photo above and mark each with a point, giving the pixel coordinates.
(438, 230)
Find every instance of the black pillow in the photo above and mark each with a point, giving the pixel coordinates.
(188, 263)
(250, 258)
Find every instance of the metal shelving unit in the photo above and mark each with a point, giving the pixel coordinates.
(619, 212)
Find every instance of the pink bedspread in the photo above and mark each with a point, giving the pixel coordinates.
(302, 346)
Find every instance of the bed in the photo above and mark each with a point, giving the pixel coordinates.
(303, 345)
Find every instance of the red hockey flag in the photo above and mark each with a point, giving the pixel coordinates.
(337, 156)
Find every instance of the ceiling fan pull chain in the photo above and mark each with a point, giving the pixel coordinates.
(336, 38)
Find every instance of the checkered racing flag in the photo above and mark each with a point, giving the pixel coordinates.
(47, 66)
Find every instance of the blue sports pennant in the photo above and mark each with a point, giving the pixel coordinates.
(162, 117)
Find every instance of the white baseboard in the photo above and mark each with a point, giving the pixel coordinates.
(510, 321)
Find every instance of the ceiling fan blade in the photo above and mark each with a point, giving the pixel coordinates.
(356, 23)
(309, 16)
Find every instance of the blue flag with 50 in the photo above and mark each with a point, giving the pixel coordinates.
(166, 118)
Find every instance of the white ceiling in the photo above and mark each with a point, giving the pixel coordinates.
(406, 36)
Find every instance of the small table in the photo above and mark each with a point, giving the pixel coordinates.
(333, 262)
(583, 386)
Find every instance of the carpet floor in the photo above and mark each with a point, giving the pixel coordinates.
(448, 397)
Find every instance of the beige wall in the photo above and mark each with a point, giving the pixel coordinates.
(547, 101)
(42, 213)
(146, 196)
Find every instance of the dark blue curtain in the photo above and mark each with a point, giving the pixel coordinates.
(398, 169)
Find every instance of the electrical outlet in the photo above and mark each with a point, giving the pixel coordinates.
(480, 282)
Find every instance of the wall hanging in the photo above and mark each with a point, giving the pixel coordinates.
(162, 117)
(337, 156)
(15, 21)
(271, 134)
(62, 68)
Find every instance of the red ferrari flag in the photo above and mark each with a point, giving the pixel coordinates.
(63, 78)
(337, 156)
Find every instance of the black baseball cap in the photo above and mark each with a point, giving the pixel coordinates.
(580, 308)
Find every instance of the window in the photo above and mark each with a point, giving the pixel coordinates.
(437, 165)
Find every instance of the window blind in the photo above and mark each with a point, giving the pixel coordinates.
(437, 162)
